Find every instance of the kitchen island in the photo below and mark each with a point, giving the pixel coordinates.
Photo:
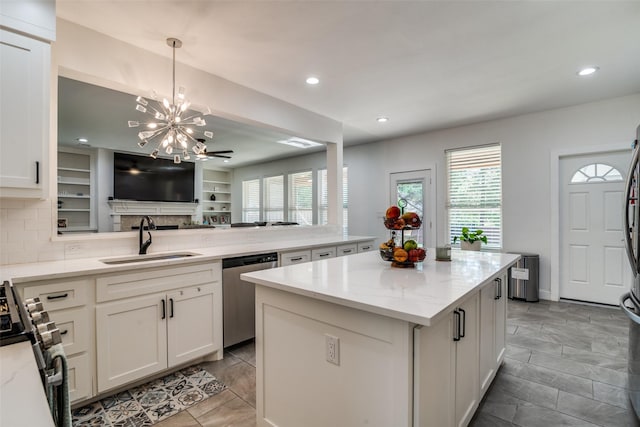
(352, 341)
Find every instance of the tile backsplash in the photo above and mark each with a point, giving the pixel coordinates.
(26, 230)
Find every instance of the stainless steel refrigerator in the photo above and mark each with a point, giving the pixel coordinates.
(630, 302)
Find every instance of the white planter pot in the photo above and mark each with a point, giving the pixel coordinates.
(466, 246)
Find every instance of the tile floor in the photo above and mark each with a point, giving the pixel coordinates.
(565, 366)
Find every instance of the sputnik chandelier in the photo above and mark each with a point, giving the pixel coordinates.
(172, 132)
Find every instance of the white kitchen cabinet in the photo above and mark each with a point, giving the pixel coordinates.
(190, 324)
(493, 308)
(131, 340)
(347, 249)
(446, 368)
(294, 257)
(324, 252)
(367, 246)
(24, 123)
(148, 321)
(68, 304)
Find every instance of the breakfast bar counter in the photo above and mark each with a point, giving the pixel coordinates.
(354, 341)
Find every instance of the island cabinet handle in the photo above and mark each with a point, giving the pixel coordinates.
(37, 172)
(456, 335)
(498, 288)
(366, 248)
(65, 332)
(299, 258)
(464, 323)
(324, 254)
(171, 305)
(346, 251)
(50, 297)
(164, 310)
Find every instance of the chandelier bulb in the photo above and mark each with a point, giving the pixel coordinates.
(152, 125)
(176, 159)
(169, 149)
(208, 134)
(142, 143)
(141, 100)
(141, 108)
(133, 124)
(154, 153)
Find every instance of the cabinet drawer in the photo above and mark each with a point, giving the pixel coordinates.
(366, 246)
(349, 249)
(60, 295)
(147, 281)
(323, 253)
(288, 258)
(79, 376)
(74, 328)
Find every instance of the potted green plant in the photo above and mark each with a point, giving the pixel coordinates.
(470, 240)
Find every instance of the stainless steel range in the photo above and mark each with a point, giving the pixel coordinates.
(29, 322)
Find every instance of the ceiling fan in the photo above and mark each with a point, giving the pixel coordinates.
(220, 154)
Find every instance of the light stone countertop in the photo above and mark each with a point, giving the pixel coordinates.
(29, 272)
(23, 402)
(364, 281)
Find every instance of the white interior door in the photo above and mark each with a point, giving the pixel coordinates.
(415, 187)
(593, 262)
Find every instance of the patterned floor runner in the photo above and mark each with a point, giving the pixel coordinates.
(149, 403)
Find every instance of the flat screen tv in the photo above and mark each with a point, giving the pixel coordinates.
(144, 178)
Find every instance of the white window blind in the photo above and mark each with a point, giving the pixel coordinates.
(474, 196)
(274, 198)
(251, 200)
(301, 198)
(323, 197)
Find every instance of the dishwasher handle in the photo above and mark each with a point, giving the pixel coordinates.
(249, 260)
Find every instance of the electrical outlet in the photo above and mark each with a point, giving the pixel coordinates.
(332, 349)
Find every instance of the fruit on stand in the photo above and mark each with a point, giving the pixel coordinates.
(393, 212)
(417, 255)
(411, 219)
(400, 255)
(410, 244)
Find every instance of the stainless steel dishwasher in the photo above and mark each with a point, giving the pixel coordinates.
(239, 297)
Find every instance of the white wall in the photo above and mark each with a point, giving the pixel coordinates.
(528, 142)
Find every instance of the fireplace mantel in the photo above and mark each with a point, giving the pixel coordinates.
(121, 208)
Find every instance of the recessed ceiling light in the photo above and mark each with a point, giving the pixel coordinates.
(83, 140)
(226, 160)
(299, 142)
(382, 119)
(587, 71)
(313, 80)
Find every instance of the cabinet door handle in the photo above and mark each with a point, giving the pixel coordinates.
(456, 335)
(164, 309)
(324, 254)
(37, 172)
(366, 248)
(346, 251)
(498, 288)
(296, 259)
(464, 323)
(50, 297)
(171, 307)
(65, 332)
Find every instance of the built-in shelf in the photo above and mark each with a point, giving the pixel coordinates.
(76, 211)
(218, 183)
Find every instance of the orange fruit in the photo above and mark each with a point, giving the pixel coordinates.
(400, 255)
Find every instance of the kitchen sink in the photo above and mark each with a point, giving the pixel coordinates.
(150, 257)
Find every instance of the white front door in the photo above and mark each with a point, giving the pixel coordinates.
(415, 188)
(593, 262)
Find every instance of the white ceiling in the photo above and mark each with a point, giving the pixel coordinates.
(425, 64)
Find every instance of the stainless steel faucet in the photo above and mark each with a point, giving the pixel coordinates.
(150, 226)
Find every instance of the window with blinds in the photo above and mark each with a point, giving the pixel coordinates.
(323, 197)
(301, 198)
(474, 193)
(251, 200)
(274, 198)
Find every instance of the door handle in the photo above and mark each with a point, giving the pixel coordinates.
(171, 307)
(456, 335)
(498, 288)
(50, 297)
(625, 215)
(164, 309)
(464, 322)
(37, 172)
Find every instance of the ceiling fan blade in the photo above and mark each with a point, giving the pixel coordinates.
(220, 152)
(219, 155)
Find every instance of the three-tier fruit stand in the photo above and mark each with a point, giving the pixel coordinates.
(387, 250)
